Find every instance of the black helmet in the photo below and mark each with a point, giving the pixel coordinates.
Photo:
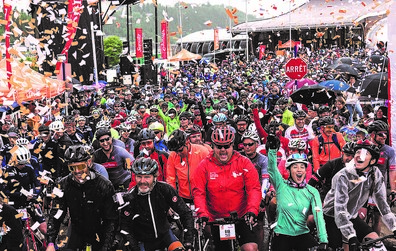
(241, 118)
(145, 166)
(369, 146)
(349, 147)
(277, 111)
(273, 123)
(44, 128)
(146, 134)
(327, 120)
(185, 115)
(193, 130)
(176, 140)
(377, 126)
(151, 119)
(299, 114)
(323, 109)
(282, 101)
(78, 153)
(102, 131)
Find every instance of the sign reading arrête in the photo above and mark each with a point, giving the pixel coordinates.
(296, 68)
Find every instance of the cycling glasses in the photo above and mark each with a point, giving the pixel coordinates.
(75, 167)
(298, 156)
(249, 144)
(223, 146)
(157, 132)
(104, 140)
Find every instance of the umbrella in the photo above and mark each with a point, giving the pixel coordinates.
(375, 85)
(300, 83)
(380, 61)
(346, 68)
(315, 94)
(344, 61)
(335, 85)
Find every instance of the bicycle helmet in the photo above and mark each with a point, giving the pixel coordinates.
(70, 120)
(294, 143)
(251, 135)
(176, 140)
(299, 114)
(377, 125)
(145, 166)
(13, 132)
(296, 158)
(156, 126)
(303, 145)
(131, 119)
(124, 127)
(241, 118)
(273, 123)
(223, 136)
(81, 118)
(327, 120)
(56, 126)
(323, 109)
(43, 129)
(151, 119)
(146, 134)
(219, 118)
(277, 111)
(22, 155)
(22, 142)
(369, 146)
(185, 115)
(193, 130)
(282, 101)
(103, 124)
(78, 153)
(102, 131)
(349, 147)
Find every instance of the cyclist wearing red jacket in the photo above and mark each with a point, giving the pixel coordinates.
(224, 182)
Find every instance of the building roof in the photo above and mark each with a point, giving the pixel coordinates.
(208, 36)
(319, 14)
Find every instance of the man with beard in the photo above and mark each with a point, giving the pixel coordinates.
(63, 141)
(76, 136)
(242, 123)
(144, 215)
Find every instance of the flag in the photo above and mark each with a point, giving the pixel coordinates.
(7, 9)
(164, 43)
(216, 39)
(139, 42)
(262, 51)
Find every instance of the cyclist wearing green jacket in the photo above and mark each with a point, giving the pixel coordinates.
(295, 200)
(171, 118)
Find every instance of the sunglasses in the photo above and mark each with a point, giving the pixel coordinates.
(117, 106)
(183, 119)
(222, 146)
(157, 132)
(104, 140)
(153, 110)
(75, 167)
(382, 134)
(248, 144)
(329, 127)
(279, 117)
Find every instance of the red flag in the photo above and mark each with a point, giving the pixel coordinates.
(216, 39)
(7, 15)
(262, 51)
(139, 42)
(164, 43)
(73, 14)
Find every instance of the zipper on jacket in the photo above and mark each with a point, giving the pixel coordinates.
(152, 217)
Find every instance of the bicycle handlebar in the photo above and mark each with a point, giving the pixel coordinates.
(371, 242)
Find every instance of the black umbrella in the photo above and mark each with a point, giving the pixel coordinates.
(315, 94)
(346, 68)
(380, 61)
(375, 85)
(344, 60)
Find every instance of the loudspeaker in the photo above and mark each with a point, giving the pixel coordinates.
(126, 66)
(147, 74)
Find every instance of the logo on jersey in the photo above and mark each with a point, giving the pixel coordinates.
(213, 176)
(174, 199)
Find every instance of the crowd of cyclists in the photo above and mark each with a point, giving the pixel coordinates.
(113, 169)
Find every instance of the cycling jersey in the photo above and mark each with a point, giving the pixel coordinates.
(294, 205)
(305, 134)
(220, 189)
(386, 161)
(115, 164)
(330, 150)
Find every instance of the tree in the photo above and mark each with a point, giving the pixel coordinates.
(113, 49)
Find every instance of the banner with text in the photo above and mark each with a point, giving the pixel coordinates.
(216, 39)
(139, 42)
(164, 43)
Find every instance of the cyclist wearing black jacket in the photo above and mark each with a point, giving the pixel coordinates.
(144, 215)
(88, 197)
(322, 178)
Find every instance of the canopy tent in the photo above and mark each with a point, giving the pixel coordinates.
(185, 55)
(26, 84)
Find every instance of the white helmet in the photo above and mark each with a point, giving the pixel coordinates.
(22, 155)
(56, 126)
(22, 142)
(251, 135)
(103, 124)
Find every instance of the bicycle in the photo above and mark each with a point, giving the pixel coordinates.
(34, 239)
(375, 244)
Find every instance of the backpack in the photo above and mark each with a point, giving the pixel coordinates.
(334, 139)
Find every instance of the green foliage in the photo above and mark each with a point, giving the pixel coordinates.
(113, 49)
(193, 20)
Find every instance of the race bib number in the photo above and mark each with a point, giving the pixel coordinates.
(227, 232)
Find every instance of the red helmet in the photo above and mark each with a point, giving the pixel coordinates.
(223, 136)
